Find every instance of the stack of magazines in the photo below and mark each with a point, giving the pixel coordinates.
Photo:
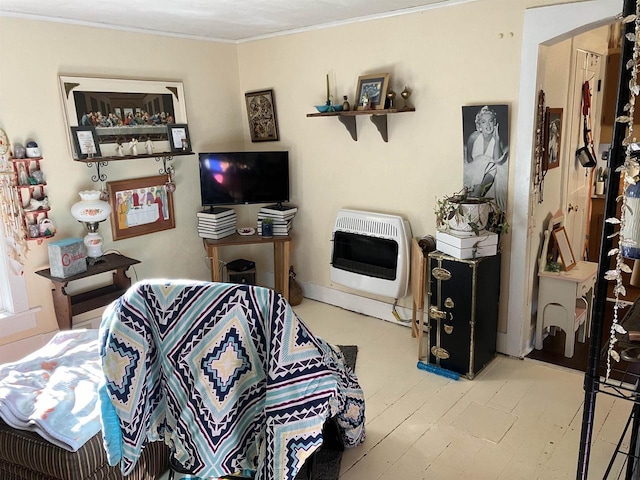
(217, 222)
(282, 216)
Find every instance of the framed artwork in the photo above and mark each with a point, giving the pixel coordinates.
(85, 142)
(485, 132)
(124, 110)
(374, 89)
(552, 138)
(179, 137)
(564, 248)
(261, 112)
(140, 206)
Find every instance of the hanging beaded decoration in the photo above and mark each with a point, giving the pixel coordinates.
(630, 171)
(538, 180)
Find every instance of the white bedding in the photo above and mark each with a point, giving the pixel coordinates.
(53, 391)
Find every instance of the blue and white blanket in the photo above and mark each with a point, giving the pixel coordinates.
(53, 391)
(227, 375)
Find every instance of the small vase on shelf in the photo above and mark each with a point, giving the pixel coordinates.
(345, 105)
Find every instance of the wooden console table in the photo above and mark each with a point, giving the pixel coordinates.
(66, 306)
(281, 256)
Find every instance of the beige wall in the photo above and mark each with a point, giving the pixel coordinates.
(35, 53)
(451, 56)
(444, 56)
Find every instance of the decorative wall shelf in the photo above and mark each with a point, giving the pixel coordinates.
(30, 192)
(100, 162)
(378, 118)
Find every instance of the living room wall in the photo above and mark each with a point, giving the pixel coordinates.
(465, 54)
(34, 54)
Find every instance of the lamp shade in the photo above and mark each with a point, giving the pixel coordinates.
(90, 209)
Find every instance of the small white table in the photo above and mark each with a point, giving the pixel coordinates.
(564, 301)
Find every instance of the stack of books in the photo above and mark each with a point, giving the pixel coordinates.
(282, 217)
(216, 222)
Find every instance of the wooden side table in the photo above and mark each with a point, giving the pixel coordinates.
(281, 256)
(66, 306)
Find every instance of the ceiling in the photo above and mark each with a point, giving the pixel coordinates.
(221, 20)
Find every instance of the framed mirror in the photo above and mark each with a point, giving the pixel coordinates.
(564, 248)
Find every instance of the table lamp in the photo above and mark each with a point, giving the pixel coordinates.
(91, 211)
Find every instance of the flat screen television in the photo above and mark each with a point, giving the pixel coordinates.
(235, 178)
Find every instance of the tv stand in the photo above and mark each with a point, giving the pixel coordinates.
(281, 257)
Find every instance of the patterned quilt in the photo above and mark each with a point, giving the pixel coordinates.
(227, 375)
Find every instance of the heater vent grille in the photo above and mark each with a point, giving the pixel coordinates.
(367, 226)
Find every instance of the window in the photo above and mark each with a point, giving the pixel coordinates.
(14, 301)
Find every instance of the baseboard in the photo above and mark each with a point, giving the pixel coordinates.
(12, 323)
(20, 348)
(356, 303)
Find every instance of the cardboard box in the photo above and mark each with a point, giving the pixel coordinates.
(67, 257)
(467, 239)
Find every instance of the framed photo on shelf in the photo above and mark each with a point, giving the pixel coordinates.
(552, 138)
(373, 88)
(564, 248)
(140, 206)
(179, 137)
(261, 113)
(85, 142)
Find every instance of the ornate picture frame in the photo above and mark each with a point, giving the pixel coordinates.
(261, 113)
(140, 206)
(122, 109)
(375, 86)
(552, 138)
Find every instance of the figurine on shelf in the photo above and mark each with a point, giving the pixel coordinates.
(133, 146)
(120, 147)
(391, 96)
(19, 151)
(365, 102)
(345, 105)
(23, 177)
(148, 146)
(38, 204)
(405, 94)
(38, 176)
(47, 229)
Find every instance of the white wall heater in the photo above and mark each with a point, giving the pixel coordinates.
(370, 252)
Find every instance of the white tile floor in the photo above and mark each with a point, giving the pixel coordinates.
(518, 419)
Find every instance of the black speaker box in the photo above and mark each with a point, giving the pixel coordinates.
(248, 277)
(240, 265)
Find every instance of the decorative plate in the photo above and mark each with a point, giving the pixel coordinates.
(246, 231)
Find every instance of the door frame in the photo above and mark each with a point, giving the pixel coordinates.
(543, 25)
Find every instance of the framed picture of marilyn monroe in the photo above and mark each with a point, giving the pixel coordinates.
(140, 206)
(485, 131)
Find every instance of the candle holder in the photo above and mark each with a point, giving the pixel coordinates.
(405, 94)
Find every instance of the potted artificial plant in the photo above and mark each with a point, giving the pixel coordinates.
(463, 213)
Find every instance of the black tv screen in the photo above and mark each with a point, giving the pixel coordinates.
(233, 178)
